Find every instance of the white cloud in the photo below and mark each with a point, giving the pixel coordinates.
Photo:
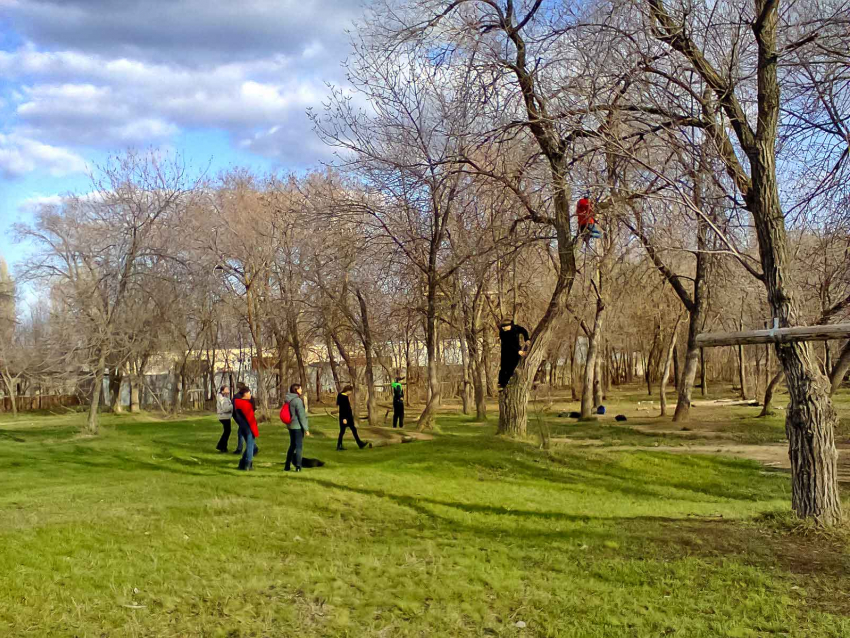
(81, 100)
(36, 201)
(20, 155)
(102, 74)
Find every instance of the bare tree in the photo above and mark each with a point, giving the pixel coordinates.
(96, 249)
(751, 104)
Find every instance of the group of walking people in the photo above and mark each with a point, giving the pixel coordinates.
(242, 409)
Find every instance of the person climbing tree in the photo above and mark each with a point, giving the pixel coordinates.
(398, 403)
(512, 349)
(587, 227)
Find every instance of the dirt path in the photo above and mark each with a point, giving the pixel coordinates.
(774, 456)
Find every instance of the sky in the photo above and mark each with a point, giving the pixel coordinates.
(222, 83)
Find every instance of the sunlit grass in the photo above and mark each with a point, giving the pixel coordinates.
(145, 531)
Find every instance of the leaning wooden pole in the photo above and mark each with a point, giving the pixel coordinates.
(774, 335)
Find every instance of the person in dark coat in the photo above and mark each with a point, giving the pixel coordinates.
(398, 403)
(512, 349)
(346, 418)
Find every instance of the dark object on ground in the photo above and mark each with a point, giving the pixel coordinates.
(575, 415)
(305, 462)
(685, 429)
(363, 444)
(600, 409)
(620, 417)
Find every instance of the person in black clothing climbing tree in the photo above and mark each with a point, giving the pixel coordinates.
(512, 349)
(398, 403)
(346, 418)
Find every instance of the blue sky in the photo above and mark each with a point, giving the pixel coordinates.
(222, 83)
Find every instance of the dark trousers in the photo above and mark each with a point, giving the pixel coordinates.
(296, 447)
(398, 414)
(225, 435)
(342, 427)
(506, 371)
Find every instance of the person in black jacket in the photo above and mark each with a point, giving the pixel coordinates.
(398, 404)
(512, 349)
(346, 418)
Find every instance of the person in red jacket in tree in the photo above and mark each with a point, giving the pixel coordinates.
(586, 223)
(243, 414)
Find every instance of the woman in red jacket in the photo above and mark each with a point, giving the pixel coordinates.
(243, 414)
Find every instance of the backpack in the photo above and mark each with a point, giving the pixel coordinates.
(286, 414)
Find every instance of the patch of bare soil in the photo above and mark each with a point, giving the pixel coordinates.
(381, 436)
(774, 456)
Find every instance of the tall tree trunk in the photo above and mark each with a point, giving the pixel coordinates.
(742, 373)
(466, 382)
(256, 336)
(677, 372)
(599, 379)
(693, 359)
(366, 337)
(332, 361)
(352, 370)
(811, 418)
(11, 390)
(92, 422)
(295, 340)
(476, 360)
(588, 398)
(703, 373)
(135, 399)
(513, 405)
(486, 351)
(768, 393)
(573, 372)
(839, 371)
(649, 364)
(137, 380)
(426, 419)
(668, 360)
(184, 387)
(282, 368)
(116, 377)
(175, 389)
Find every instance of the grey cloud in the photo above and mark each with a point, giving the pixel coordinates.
(187, 31)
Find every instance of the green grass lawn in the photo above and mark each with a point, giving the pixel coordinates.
(145, 531)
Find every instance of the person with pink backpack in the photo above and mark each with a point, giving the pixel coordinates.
(294, 416)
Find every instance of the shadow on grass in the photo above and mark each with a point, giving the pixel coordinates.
(416, 503)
